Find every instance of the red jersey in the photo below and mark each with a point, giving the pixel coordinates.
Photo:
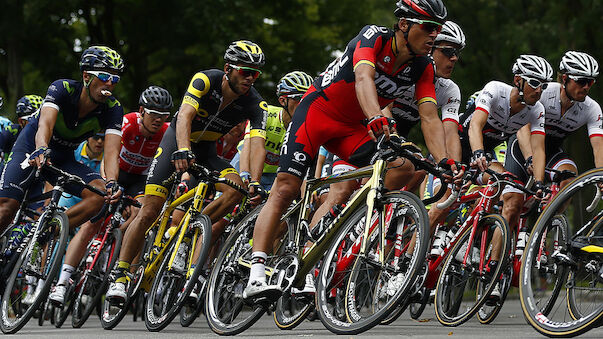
(374, 46)
(137, 152)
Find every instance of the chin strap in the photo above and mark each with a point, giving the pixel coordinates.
(412, 53)
(520, 88)
(567, 93)
(87, 85)
(286, 108)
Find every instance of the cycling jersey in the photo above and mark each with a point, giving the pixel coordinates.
(558, 126)
(494, 100)
(8, 136)
(329, 114)
(204, 93)
(4, 122)
(406, 111)
(137, 151)
(69, 130)
(81, 155)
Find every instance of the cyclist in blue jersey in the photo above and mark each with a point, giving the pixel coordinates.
(26, 107)
(72, 111)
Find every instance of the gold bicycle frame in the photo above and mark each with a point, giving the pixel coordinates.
(159, 246)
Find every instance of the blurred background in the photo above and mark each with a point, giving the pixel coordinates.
(165, 42)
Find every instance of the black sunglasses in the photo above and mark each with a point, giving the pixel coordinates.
(582, 81)
(448, 51)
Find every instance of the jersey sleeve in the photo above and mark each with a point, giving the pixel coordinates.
(425, 87)
(57, 94)
(537, 122)
(595, 121)
(257, 120)
(5, 136)
(197, 88)
(115, 115)
(485, 100)
(451, 103)
(368, 43)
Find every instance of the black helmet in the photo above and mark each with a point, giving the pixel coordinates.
(245, 52)
(101, 58)
(429, 9)
(156, 98)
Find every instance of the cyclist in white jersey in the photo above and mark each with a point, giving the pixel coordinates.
(502, 111)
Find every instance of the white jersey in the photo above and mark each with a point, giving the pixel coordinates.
(495, 100)
(448, 97)
(579, 114)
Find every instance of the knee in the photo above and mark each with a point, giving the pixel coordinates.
(286, 189)
(8, 209)
(231, 197)
(341, 192)
(512, 206)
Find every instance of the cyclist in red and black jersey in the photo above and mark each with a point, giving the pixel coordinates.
(376, 67)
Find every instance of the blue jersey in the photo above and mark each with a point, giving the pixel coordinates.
(69, 130)
(8, 136)
(4, 122)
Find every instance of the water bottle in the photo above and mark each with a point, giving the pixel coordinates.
(522, 239)
(93, 249)
(439, 242)
(179, 260)
(325, 221)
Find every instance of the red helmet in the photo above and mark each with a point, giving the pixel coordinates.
(429, 9)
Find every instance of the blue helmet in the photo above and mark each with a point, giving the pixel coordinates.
(101, 58)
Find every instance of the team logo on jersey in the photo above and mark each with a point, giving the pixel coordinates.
(387, 59)
(132, 142)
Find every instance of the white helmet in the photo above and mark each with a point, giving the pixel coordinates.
(451, 32)
(534, 67)
(579, 64)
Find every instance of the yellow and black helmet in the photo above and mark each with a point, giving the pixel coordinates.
(28, 104)
(245, 52)
(101, 58)
(295, 82)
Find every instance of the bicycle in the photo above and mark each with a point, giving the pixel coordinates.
(577, 259)
(158, 266)
(466, 278)
(228, 314)
(101, 256)
(40, 253)
(510, 276)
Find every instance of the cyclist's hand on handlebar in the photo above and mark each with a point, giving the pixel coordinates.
(378, 125)
(542, 192)
(114, 191)
(182, 159)
(528, 165)
(479, 160)
(257, 193)
(39, 156)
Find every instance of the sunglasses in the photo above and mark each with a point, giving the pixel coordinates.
(156, 114)
(448, 51)
(296, 97)
(582, 81)
(427, 25)
(535, 83)
(104, 76)
(247, 71)
(98, 137)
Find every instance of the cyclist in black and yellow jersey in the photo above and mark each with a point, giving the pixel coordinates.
(214, 102)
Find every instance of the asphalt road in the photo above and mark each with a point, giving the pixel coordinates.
(509, 324)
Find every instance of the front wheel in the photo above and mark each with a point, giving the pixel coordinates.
(41, 258)
(172, 283)
(467, 277)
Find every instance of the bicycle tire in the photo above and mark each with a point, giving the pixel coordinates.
(354, 322)
(61, 313)
(448, 301)
(60, 230)
(188, 315)
(95, 280)
(553, 324)
(179, 287)
(224, 301)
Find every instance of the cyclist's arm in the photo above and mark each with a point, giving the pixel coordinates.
(453, 142)
(244, 160)
(366, 90)
(258, 149)
(48, 117)
(433, 131)
(539, 157)
(111, 156)
(183, 126)
(476, 125)
(597, 144)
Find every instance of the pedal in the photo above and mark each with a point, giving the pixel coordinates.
(285, 272)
